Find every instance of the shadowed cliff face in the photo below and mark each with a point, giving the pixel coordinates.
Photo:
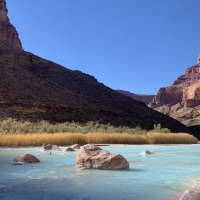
(32, 88)
(181, 100)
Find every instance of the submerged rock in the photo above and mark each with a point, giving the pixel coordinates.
(50, 147)
(146, 152)
(46, 153)
(69, 149)
(2, 187)
(26, 158)
(91, 156)
(75, 146)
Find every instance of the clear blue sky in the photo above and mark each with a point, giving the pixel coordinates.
(134, 45)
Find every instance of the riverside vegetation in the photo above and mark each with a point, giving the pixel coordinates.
(18, 133)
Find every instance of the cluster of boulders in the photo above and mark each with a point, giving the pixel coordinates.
(45, 150)
(90, 156)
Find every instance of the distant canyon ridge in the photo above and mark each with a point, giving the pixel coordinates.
(145, 98)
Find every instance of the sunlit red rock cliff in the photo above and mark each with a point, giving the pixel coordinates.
(181, 100)
(7, 31)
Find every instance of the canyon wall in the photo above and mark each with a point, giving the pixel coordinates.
(181, 100)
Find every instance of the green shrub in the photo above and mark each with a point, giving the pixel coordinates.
(23, 127)
(159, 129)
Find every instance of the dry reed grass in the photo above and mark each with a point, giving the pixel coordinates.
(63, 139)
(171, 138)
(115, 138)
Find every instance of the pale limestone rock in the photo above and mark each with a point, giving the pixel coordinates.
(75, 146)
(91, 156)
(146, 152)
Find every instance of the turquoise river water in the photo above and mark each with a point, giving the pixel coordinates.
(165, 175)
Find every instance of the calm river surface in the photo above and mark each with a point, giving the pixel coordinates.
(154, 177)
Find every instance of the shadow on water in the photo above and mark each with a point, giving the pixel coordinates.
(128, 170)
(136, 170)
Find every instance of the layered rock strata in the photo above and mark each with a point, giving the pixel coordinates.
(7, 31)
(181, 100)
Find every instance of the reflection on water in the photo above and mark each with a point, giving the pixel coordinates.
(154, 177)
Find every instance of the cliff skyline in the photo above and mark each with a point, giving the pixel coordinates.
(136, 46)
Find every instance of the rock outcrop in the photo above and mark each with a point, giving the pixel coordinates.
(7, 31)
(145, 98)
(91, 156)
(26, 158)
(181, 100)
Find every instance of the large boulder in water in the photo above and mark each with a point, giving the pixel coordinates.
(91, 156)
(26, 158)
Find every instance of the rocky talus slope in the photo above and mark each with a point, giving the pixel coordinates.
(32, 88)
